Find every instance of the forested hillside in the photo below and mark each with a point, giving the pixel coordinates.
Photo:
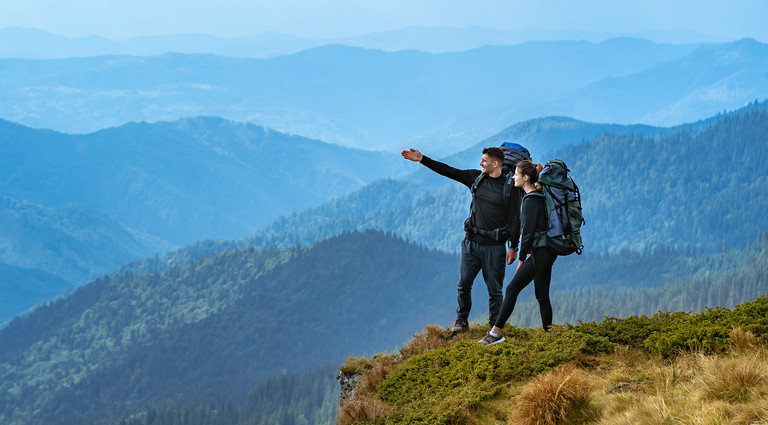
(72, 242)
(78, 206)
(285, 399)
(44, 251)
(542, 136)
(209, 331)
(212, 329)
(584, 289)
(186, 180)
(702, 191)
(697, 187)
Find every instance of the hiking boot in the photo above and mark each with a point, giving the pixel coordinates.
(460, 325)
(489, 339)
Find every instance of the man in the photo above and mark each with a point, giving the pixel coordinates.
(492, 223)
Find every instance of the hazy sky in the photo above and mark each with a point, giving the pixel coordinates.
(119, 19)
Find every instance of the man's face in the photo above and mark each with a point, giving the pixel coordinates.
(488, 164)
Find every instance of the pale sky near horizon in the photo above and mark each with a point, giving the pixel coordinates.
(340, 18)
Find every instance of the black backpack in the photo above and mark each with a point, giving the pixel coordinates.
(513, 153)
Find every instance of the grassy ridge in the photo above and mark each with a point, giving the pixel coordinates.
(439, 380)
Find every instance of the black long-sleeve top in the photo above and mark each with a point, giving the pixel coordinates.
(491, 211)
(533, 219)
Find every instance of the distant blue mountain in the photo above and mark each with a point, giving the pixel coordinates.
(30, 43)
(192, 179)
(352, 96)
(77, 206)
(693, 86)
(72, 242)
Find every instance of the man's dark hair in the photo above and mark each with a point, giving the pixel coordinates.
(495, 153)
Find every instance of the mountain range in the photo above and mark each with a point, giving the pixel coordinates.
(210, 331)
(187, 180)
(663, 187)
(215, 328)
(211, 322)
(382, 100)
(347, 250)
(30, 43)
(77, 206)
(421, 207)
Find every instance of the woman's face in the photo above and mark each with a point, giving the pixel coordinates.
(519, 178)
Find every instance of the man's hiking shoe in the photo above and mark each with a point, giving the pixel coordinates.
(489, 339)
(461, 325)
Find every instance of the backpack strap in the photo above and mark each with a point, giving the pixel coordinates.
(509, 185)
(473, 189)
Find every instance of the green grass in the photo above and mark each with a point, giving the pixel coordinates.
(456, 380)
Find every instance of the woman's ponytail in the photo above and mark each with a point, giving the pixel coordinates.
(539, 167)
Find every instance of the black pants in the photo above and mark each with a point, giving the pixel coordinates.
(538, 268)
(491, 259)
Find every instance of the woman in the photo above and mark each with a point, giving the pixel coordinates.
(536, 258)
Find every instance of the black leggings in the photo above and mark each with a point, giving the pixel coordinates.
(539, 269)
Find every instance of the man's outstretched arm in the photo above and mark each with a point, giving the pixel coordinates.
(466, 177)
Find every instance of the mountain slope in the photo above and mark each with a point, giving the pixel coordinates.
(184, 181)
(673, 367)
(209, 331)
(683, 88)
(23, 288)
(676, 190)
(45, 250)
(72, 242)
(216, 327)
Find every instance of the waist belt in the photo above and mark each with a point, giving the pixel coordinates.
(500, 235)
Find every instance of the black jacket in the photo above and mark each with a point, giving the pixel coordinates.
(533, 217)
(490, 210)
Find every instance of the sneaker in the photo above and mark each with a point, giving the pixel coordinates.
(461, 325)
(489, 339)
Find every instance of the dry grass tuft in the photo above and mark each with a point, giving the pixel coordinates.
(383, 364)
(361, 407)
(752, 414)
(646, 410)
(696, 389)
(556, 397)
(356, 366)
(733, 379)
(742, 342)
(654, 410)
(430, 338)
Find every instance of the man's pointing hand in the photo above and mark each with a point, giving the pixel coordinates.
(412, 154)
